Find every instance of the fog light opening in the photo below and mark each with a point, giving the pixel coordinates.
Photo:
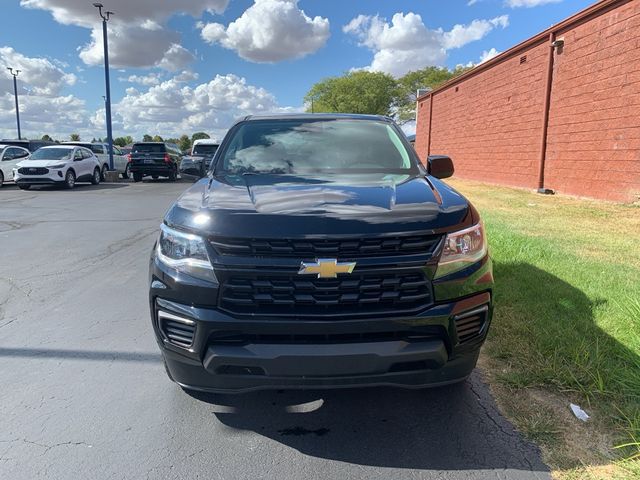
(177, 330)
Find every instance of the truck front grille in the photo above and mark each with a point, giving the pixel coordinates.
(349, 295)
(347, 248)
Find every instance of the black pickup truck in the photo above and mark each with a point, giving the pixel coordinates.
(319, 252)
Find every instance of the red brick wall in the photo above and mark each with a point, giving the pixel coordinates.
(593, 142)
(491, 126)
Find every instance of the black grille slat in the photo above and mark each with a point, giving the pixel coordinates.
(470, 326)
(229, 338)
(344, 249)
(178, 333)
(355, 294)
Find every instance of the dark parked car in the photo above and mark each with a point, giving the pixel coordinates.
(158, 159)
(31, 145)
(319, 252)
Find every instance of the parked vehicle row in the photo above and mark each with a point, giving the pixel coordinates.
(21, 161)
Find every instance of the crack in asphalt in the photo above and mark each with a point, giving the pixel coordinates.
(47, 447)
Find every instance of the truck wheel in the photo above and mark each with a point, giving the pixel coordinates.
(103, 173)
(137, 177)
(95, 179)
(70, 180)
(127, 172)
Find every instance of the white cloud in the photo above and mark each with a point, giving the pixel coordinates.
(43, 106)
(471, 2)
(488, 55)
(528, 3)
(43, 114)
(146, 45)
(81, 13)
(172, 108)
(57, 116)
(42, 76)
(407, 44)
(186, 76)
(176, 58)
(460, 35)
(270, 31)
(146, 80)
(138, 35)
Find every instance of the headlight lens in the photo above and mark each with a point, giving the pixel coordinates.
(461, 249)
(185, 252)
(58, 165)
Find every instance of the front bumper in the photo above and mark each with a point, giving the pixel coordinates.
(153, 169)
(54, 177)
(223, 353)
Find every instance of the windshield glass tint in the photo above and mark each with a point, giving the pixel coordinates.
(148, 148)
(299, 146)
(205, 149)
(51, 154)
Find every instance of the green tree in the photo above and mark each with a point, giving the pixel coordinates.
(184, 142)
(354, 92)
(46, 138)
(408, 85)
(199, 136)
(120, 141)
(147, 138)
(74, 137)
(157, 138)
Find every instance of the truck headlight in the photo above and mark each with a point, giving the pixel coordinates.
(184, 252)
(462, 249)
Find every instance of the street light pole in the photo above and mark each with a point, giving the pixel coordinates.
(15, 93)
(105, 18)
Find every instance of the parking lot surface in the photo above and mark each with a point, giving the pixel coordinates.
(84, 395)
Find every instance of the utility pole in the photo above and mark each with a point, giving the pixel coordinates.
(15, 93)
(105, 18)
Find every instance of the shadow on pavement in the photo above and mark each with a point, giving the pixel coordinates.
(95, 355)
(78, 186)
(450, 428)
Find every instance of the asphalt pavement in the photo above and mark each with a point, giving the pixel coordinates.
(83, 393)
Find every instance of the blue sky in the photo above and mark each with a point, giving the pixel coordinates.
(179, 72)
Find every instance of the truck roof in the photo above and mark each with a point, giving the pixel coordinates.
(317, 116)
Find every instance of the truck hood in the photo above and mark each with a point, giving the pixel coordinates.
(274, 206)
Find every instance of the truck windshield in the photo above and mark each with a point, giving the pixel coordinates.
(310, 146)
(204, 149)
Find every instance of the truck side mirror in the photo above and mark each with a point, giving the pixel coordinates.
(439, 166)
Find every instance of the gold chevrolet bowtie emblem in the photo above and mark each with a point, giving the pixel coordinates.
(326, 268)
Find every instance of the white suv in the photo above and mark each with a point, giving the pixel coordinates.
(9, 158)
(58, 165)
